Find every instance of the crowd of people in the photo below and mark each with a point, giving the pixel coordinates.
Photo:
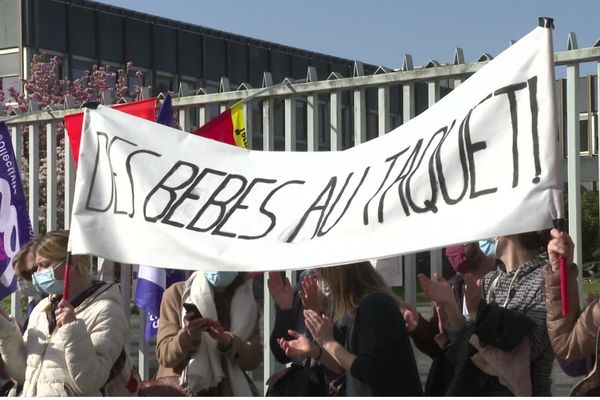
(496, 328)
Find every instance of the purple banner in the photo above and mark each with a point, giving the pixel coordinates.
(15, 225)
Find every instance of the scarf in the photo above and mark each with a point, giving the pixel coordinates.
(205, 369)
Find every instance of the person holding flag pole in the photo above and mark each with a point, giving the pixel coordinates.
(72, 346)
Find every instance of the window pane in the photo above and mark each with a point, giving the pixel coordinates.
(6, 83)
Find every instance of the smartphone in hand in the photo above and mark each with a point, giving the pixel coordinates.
(191, 308)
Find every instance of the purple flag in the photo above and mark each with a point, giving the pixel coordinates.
(152, 282)
(15, 225)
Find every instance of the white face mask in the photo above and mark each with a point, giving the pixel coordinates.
(26, 288)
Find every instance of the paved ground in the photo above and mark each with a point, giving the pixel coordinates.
(561, 382)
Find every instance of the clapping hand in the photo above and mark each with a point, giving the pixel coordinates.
(310, 295)
(320, 326)
(281, 291)
(411, 317)
(437, 290)
(298, 346)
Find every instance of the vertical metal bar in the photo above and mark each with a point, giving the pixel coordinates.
(125, 272)
(312, 122)
(17, 142)
(248, 118)
(573, 164)
(184, 120)
(383, 109)
(201, 116)
(410, 260)
(268, 124)
(34, 180)
(435, 256)
(51, 181)
(290, 123)
(69, 180)
(268, 323)
(336, 120)
(360, 117)
(15, 306)
(143, 348)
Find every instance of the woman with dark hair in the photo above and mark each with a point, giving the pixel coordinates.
(509, 329)
(209, 335)
(376, 354)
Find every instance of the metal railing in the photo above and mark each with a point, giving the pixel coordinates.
(333, 111)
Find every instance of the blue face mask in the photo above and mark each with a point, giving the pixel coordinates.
(46, 282)
(488, 247)
(220, 279)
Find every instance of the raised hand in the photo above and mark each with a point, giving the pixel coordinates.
(560, 245)
(281, 291)
(437, 290)
(473, 294)
(298, 346)
(411, 317)
(320, 326)
(441, 318)
(310, 295)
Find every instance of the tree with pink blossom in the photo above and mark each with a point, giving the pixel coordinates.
(45, 88)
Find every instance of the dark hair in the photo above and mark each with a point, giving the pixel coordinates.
(536, 240)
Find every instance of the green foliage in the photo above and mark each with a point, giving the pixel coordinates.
(589, 227)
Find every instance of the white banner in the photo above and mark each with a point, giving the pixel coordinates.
(481, 162)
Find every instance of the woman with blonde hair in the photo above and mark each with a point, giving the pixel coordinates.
(372, 348)
(71, 347)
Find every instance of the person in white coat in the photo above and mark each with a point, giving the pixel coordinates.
(71, 347)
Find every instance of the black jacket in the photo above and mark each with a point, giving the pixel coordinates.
(385, 364)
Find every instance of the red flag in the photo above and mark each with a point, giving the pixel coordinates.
(228, 127)
(144, 109)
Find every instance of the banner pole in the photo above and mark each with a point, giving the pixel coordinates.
(67, 274)
(559, 222)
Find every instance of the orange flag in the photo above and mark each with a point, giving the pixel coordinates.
(144, 109)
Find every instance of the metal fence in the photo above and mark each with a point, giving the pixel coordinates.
(313, 115)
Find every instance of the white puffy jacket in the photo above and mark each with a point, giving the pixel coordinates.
(77, 358)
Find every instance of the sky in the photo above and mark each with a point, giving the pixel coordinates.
(381, 32)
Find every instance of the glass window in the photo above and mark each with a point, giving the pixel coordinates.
(324, 126)
(301, 129)
(82, 31)
(190, 54)
(10, 32)
(137, 42)
(164, 84)
(52, 33)
(214, 58)
(165, 48)
(110, 42)
(8, 82)
(259, 63)
(257, 126)
(237, 60)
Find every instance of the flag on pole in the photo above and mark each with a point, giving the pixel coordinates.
(153, 281)
(228, 127)
(144, 109)
(15, 225)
